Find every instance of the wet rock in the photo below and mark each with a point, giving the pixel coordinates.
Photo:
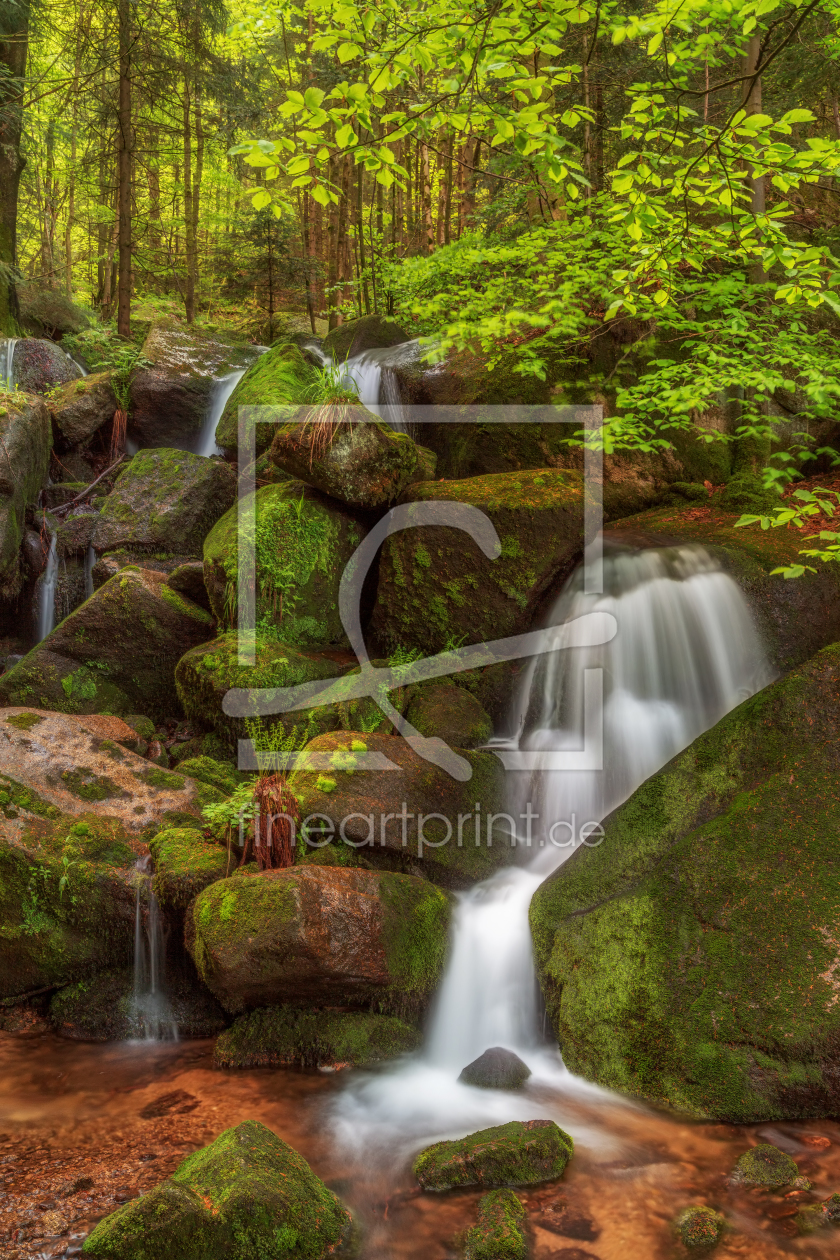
(169, 399)
(520, 1153)
(437, 587)
(34, 552)
(696, 999)
(302, 543)
(453, 714)
(569, 1222)
(496, 1069)
(81, 408)
(64, 492)
(280, 378)
(817, 1216)
(464, 378)
(362, 462)
(765, 1165)
(102, 1008)
(449, 852)
(189, 580)
(40, 365)
(357, 335)
(221, 774)
(185, 864)
(700, 1227)
(313, 935)
(74, 533)
(277, 1036)
(499, 1230)
(246, 1194)
(117, 652)
(165, 501)
(25, 438)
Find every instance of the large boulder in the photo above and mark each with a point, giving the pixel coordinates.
(417, 818)
(521, 1153)
(320, 936)
(116, 653)
(248, 1194)
(278, 1036)
(301, 545)
(170, 397)
(39, 366)
(280, 378)
(464, 378)
(49, 312)
(81, 408)
(165, 501)
(437, 587)
(26, 439)
(353, 457)
(355, 336)
(690, 959)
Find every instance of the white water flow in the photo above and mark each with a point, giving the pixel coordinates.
(7, 361)
(152, 1014)
(373, 376)
(205, 442)
(686, 652)
(45, 593)
(90, 561)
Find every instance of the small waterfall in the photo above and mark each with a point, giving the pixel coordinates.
(90, 561)
(375, 380)
(45, 593)
(152, 1014)
(7, 361)
(686, 652)
(205, 442)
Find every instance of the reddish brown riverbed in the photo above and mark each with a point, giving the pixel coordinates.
(84, 1128)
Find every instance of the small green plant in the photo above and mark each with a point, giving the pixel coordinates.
(818, 502)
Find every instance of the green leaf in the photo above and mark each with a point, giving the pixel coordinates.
(260, 199)
(312, 97)
(321, 195)
(347, 52)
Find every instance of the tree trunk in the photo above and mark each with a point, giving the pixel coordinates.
(333, 247)
(428, 227)
(14, 42)
(189, 229)
(126, 144)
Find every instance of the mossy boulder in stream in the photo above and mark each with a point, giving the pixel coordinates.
(355, 336)
(246, 1195)
(765, 1165)
(301, 543)
(116, 653)
(500, 1230)
(165, 501)
(700, 1227)
(80, 409)
(437, 587)
(277, 1036)
(691, 958)
(521, 1153)
(314, 935)
(279, 379)
(185, 864)
(40, 365)
(349, 454)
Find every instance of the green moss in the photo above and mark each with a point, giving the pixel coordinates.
(700, 1227)
(24, 721)
(765, 1165)
(89, 786)
(219, 774)
(500, 1229)
(156, 777)
(15, 796)
(278, 1035)
(278, 378)
(185, 864)
(415, 932)
(520, 1153)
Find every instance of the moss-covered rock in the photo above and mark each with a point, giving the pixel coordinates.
(221, 774)
(700, 1227)
(521, 1153)
(116, 653)
(314, 935)
(814, 1216)
(355, 336)
(500, 1230)
(765, 1165)
(301, 545)
(450, 712)
(26, 437)
(73, 535)
(188, 579)
(362, 462)
(40, 365)
(206, 674)
(81, 408)
(420, 819)
(165, 501)
(690, 959)
(280, 378)
(102, 1008)
(49, 312)
(276, 1036)
(185, 864)
(246, 1195)
(436, 586)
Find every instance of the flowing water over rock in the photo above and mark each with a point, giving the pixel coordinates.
(152, 1012)
(372, 373)
(7, 361)
(45, 593)
(205, 442)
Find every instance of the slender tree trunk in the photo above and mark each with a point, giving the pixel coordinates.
(447, 220)
(360, 236)
(198, 175)
(14, 42)
(751, 99)
(126, 145)
(189, 221)
(428, 227)
(333, 246)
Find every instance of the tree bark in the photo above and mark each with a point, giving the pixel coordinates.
(126, 145)
(14, 43)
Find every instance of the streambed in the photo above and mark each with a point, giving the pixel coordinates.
(86, 1127)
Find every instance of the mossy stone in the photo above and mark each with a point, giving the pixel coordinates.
(246, 1195)
(279, 378)
(700, 1227)
(220, 774)
(276, 1036)
(185, 864)
(500, 1230)
(521, 1153)
(450, 712)
(814, 1216)
(26, 437)
(765, 1165)
(355, 336)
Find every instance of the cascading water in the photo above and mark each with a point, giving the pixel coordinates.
(152, 1014)
(7, 361)
(205, 442)
(373, 375)
(90, 561)
(686, 652)
(45, 593)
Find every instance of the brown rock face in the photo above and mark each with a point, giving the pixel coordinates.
(82, 408)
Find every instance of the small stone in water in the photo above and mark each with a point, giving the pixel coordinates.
(700, 1227)
(496, 1069)
(767, 1166)
(817, 1215)
(499, 1230)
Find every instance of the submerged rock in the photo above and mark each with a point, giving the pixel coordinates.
(693, 948)
(277, 1036)
(247, 1194)
(314, 935)
(496, 1069)
(438, 588)
(280, 378)
(521, 1153)
(355, 458)
(765, 1165)
(301, 545)
(700, 1227)
(116, 653)
(816, 1216)
(165, 501)
(40, 365)
(369, 332)
(82, 407)
(102, 1008)
(500, 1229)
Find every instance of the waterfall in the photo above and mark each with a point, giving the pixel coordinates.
(7, 361)
(152, 1015)
(45, 593)
(90, 561)
(686, 652)
(205, 442)
(373, 376)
